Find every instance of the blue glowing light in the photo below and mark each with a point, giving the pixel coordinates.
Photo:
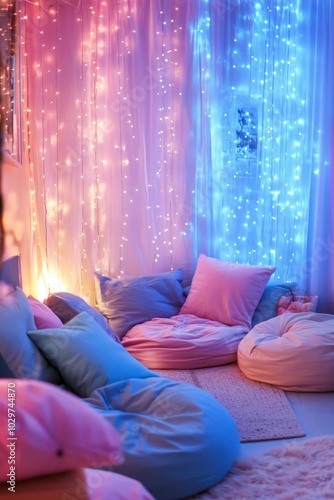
(254, 182)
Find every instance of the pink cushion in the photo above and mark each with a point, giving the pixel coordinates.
(184, 342)
(297, 303)
(226, 292)
(50, 431)
(43, 316)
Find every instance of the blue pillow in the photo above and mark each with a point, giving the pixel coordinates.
(85, 355)
(268, 305)
(66, 306)
(18, 354)
(130, 301)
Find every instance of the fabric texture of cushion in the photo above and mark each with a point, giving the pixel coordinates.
(177, 439)
(105, 485)
(226, 292)
(267, 308)
(43, 316)
(17, 351)
(86, 356)
(183, 342)
(67, 305)
(130, 301)
(297, 303)
(55, 431)
(78, 484)
(293, 351)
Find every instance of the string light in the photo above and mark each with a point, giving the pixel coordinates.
(8, 74)
(261, 80)
(150, 150)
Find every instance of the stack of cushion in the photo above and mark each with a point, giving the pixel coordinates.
(206, 328)
(176, 440)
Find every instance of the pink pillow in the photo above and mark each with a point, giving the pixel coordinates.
(44, 430)
(226, 292)
(43, 316)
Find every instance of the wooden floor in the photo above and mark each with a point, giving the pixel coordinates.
(315, 413)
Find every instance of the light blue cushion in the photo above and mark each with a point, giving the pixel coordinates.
(19, 355)
(85, 355)
(130, 301)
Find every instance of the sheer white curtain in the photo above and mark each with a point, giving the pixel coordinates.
(108, 138)
(319, 265)
(155, 130)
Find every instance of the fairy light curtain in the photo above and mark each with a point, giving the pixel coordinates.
(318, 269)
(7, 71)
(158, 129)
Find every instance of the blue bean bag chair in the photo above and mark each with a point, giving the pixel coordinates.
(178, 440)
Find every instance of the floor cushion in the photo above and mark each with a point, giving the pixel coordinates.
(184, 341)
(294, 351)
(177, 440)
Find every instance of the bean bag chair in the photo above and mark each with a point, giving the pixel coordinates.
(177, 440)
(294, 351)
(183, 342)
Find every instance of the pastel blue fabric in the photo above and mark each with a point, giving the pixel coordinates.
(19, 357)
(86, 356)
(127, 302)
(177, 440)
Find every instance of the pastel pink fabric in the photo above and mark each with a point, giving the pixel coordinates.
(293, 351)
(51, 431)
(43, 316)
(226, 292)
(87, 484)
(103, 485)
(297, 303)
(183, 341)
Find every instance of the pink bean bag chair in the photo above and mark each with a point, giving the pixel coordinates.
(294, 351)
(183, 342)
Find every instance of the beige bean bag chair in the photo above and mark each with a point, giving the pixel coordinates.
(294, 351)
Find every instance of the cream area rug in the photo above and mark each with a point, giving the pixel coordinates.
(261, 411)
(298, 470)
